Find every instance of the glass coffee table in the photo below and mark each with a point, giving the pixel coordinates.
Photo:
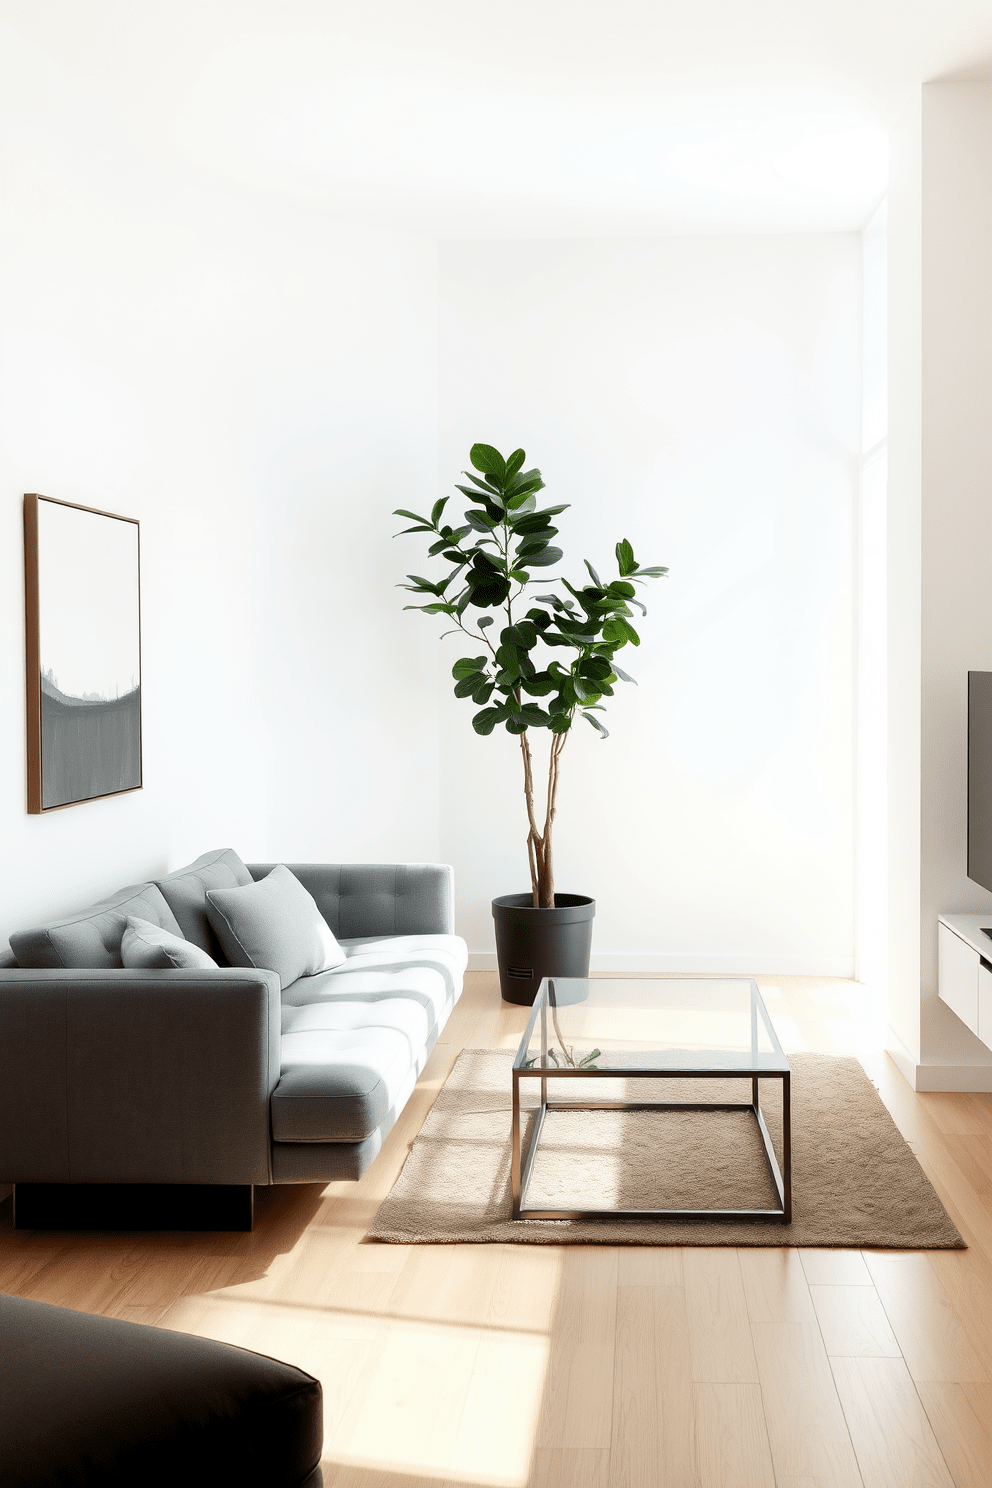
(639, 1029)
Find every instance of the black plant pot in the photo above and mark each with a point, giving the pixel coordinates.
(534, 943)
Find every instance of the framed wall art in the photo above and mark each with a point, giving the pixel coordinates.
(83, 631)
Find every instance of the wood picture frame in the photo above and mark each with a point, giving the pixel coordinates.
(82, 622)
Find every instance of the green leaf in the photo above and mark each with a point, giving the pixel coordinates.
(515, 461)
(624, 677)
(481, 496)
(405, 530)
(536, 717)
(486, 594)
(516, 724)
(484, 620)
(490, 490)
(489, 460)
(605, 733)
(481, 521)
(535, 543)
(402, 512)
(438, 508)
(539, 618)
(539, 685)
(467, 666)
(630, 632)
(625, 558)
(483, 692)
(533, 522)
(650, 573)
(524, 634)
(561, 723)
(420, 586)
(546, 558)
(486, 721)
(528, 480)
(594, 575)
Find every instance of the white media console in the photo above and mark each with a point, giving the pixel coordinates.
(964, 970)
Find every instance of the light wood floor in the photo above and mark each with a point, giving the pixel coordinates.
(595, 1366)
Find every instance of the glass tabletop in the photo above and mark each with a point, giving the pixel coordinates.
(596, 1025)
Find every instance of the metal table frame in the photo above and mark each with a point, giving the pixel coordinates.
(523, 1154)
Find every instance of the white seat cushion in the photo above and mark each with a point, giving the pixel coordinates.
(354, 1039)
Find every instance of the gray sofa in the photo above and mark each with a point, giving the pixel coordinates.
(220, 1076)
(96, 1402)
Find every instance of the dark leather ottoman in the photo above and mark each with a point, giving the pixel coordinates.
(87, 1401)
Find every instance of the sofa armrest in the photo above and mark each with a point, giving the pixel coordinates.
(359, 899)
(137, 1076)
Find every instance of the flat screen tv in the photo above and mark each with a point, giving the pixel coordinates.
(980, 778)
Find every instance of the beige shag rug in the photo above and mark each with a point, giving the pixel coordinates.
(855, 1181)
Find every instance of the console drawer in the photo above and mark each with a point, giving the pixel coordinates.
(958, 967)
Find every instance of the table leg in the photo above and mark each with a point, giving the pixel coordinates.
(515, 1163)
(787, 1145)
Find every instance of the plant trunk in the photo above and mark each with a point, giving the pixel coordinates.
(540, 855)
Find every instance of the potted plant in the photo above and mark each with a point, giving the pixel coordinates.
(496, 556)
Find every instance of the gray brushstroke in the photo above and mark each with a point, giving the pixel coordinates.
(88, 748)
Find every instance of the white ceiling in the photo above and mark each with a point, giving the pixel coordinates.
(523, 116)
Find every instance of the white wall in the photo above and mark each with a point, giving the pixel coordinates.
(956, 530)
(872, 622)
(702, 398)
(258, 386)
(903, 581)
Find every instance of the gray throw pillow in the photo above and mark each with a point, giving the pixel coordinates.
(274, 925)
(147, 947)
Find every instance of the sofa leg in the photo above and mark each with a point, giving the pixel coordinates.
(133, 1206)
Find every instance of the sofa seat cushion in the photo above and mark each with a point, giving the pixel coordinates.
(345, 1066)
(448, 952)
(91, 938)
(424, 968)
(90, 1401)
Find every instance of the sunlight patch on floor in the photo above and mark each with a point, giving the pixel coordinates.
(479, 1426)
(401, 1396)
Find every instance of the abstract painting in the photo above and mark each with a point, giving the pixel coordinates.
(83, 633)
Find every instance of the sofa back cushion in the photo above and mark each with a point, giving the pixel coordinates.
(276, 925)
(185, 892)
(91, 938)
